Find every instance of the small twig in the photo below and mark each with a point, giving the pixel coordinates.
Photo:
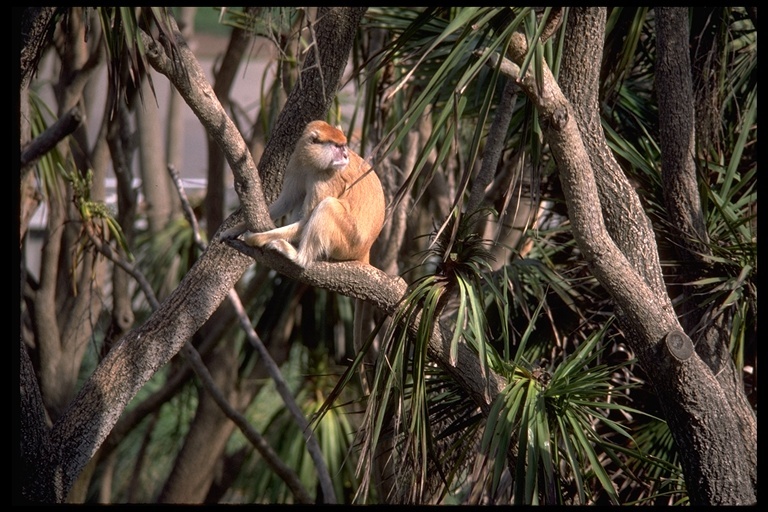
(130, 269)
(186, 207)
(256, 439)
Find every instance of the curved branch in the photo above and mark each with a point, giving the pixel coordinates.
(623, 213)
(494, 146)
(654, 318)
(186, 74)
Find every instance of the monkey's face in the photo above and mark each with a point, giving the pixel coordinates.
(338, 155)
(328, 156)
(327, 146)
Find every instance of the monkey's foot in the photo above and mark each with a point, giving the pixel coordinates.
(231, 233)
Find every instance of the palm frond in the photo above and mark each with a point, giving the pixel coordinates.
(557, 429)
(49, 165)
(126, 54)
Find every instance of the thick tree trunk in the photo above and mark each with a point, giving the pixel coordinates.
(674, 90)
(700, 414)
(623, 214)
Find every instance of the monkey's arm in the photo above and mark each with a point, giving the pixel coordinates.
(290, 198)
(286, 203)
(234, 231)
(291, 195)
(289, 232)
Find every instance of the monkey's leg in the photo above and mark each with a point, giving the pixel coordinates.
(277, 239)
(284, 247)
(330, 232)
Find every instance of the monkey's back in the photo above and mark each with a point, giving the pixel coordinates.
(365, 198)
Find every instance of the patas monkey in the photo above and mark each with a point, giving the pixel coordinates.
(336, 198)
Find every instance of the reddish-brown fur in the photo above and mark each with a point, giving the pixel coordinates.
(340, 204)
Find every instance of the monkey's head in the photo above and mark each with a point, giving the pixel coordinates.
(325, 145)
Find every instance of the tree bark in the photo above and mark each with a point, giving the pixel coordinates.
(37, 25)
(623, 214)
(677, 134)
(33, 434)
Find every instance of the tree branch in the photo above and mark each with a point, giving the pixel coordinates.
(188, 77)
(55, 133)
(366, 282)
(329, 495)
(606, 260)
(493, 146)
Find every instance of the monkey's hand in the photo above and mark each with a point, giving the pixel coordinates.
(233, 232)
